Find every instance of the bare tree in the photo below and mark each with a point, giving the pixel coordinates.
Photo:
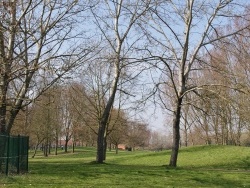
(158, 141)
(87, 104)
(138, 135)
(36, 37)
(179, 33)
(45, 121)
(117, 128)
(115, 23)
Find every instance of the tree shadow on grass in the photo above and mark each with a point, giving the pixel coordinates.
(173, 176)
(92, 174)
(140, 170)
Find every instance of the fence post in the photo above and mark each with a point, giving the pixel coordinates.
(27, 154)
(18, 154)
(7, 155)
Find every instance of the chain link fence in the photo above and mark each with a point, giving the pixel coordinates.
(13, 154)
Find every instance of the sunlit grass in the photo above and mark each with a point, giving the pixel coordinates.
(202, 166)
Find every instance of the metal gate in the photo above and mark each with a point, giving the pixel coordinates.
(13, 154)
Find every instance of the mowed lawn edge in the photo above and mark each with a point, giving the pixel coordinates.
(199, 166)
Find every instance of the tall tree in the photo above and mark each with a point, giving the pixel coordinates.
(179, 32)
(35, 37)
(115, 20)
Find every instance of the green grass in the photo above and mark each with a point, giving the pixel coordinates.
(201, 166)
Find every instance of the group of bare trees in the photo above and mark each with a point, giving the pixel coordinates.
(67, 112)
(193, 52)
(36, 42)
(220, 115)
(182, 34)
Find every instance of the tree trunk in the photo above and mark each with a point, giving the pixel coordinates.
(110, 146)
(100, 143)
(46, 147)
(4, 72)
(2, 118)
(101, 137)
(191, 135)
(216, 127)
(34, 154)
(49, 147)
(208, 140)
(3, 110)
(66, 145)
(56, 146)
(2, 151)
(186, 132)
(238, 134)
(176, 133)
(105, 147)
(2, 130)
(116, 148)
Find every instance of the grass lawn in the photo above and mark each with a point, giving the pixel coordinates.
(200, 166)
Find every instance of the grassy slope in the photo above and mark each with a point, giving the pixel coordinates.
(202, 166)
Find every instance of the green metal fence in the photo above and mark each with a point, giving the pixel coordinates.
(13, 154)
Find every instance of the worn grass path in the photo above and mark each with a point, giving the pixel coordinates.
(200, 166)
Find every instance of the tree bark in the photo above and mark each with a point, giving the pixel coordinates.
(3, 83)
(116, 148)
(101, 138)
(100, 143)
(56, 146)
(176, 133)
(2, 117)
(105, 147)
(66, 145)
(46, 147)
(2, 151)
